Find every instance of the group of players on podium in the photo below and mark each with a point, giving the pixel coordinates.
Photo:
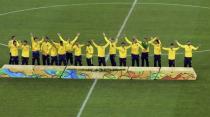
(65, 51)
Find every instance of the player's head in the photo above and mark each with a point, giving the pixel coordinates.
(157, 41)
(189, 42)
(61, 43)
(13, 37)
(14, 42)
(25, 42)
(46, 39)
(123, 44)
(36, 39)
(146, 38)
(112, 39)
(89, 43)
(76, 43)
(134, 40)
(172, 45)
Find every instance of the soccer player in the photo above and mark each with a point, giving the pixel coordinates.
(25, 52)
(123, 53)
(157, 52)
(36, 46)
(112, 48)
(14, 52)
(45, 49)
(53, 55)
(188, 52)
(101, 53)
(13, 38)
(69, 47)
(171, 54)
(145, 51)
(61, 52)
(77, 53)
(135, 50)
(89, 53)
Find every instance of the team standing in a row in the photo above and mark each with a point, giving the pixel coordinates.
(64, 52)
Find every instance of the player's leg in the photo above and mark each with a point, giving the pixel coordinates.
(159, 61)
(185, 62)
(80, 60)
(71, 58)
(190, 62)
(137, 60)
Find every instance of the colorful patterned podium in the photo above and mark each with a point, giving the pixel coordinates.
(97, 72)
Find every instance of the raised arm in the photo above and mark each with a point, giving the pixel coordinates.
(94, 44)
(180, 45)
(195, 48)
(61, 38)
(152, 40)
(127, 40)
(32, 37)
(42, 40)
(106, 38)
(107, 44)
(76, 38)
(165, 48)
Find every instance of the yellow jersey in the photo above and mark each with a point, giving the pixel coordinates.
(112, 46)
(157, 48)
(36, 45)
(9, 44)
(135, 47)
(53, 51)
(69, 44)
(13, 50)
(171, 53)
(25, 51)
(89, 51)
(45, 48)
(78, 50)
(61, 48)
(188, 49)
(123, 51)
(101, 49)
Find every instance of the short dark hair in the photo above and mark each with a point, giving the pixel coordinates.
(13, 37)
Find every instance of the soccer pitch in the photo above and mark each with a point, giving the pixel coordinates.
(170, 20)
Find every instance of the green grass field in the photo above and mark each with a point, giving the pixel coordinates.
(170, 20)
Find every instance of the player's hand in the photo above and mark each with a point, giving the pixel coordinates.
(78, 34)
(59, 34)
(104, 34)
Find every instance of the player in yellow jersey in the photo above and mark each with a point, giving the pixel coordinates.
(61, 52)
(78, 53)
(89, 54)
(135, 50)
(14, 52)
(45, 49)
(13, 38)
(145, 50)
(36, 46)
(123, 53)
(188, 52)
(112, 48)
(157, 52)
(53, 55)
(25, 52)
(101, 53)
(69, 47)
(171, 55)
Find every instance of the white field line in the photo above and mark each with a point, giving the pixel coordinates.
(95, 81)
(124, 23)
